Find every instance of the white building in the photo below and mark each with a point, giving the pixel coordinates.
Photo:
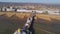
(9, 9)
(0, 9)
(4, 9)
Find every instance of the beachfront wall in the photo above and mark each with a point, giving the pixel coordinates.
(37, 11)
(54, 12)
(23, 10)
(50, 12)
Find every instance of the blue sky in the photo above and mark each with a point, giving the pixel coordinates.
(34, 1)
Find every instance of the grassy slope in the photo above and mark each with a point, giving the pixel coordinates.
(10, 21)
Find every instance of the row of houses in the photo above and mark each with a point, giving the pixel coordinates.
(18, 10)
(7, 9)
(50, 12)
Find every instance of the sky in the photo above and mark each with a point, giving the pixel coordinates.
(33, 1)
